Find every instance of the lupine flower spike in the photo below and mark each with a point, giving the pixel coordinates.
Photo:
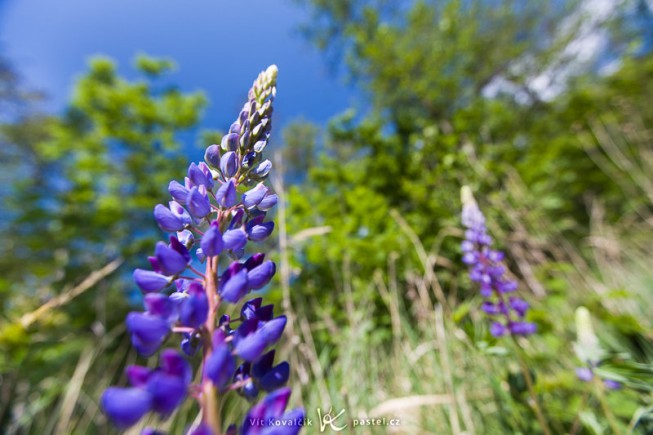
(487, 269)
(213, 214)
(588, 350)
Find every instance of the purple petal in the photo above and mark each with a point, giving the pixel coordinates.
(138, 375)
(173, 364)
(275, 402)
(198, 204)
(198, 177)
(273, 329)
(149, 281)
(254, 261)
(160, 305)
(248, 311)
(211, 242)
(125, 406)
(180, 247)
(151, 431)
(261, 275)
(519, 305)
(522, 328)
(263, 365)
(234, 239)
(251, 346)
(260, 232)
(253, 197)
(497, 329)
(268, 202)
(167, 392)
(294, 420)
(178, 191)
(228, 164)
(150, 331)
(226, 194)
(220, 366)
(167, 220)
(212, 156)
(186, 238)
(235, 287)
(276, 377)
(612, 385)
(230, 141)
(170, 261)
(585, 374)
(263, 169)
(490, 308)
(259, 146)
(194, 310)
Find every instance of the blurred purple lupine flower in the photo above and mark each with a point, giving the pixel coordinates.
(589, 350)
(160, 390)
(210, 219)
(486, 268)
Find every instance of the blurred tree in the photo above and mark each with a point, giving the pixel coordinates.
(463, 93)
(83, 197)
(299, 149)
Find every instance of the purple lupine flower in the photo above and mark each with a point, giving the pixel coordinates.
(268, 202)
(170, 260)
(589, 350)
(174, 218)
(269, 411)
(229, 164)
(234, 284)
(585, 374)
(149, 281)
(212, 156)
(252, 339)
(611, 384)
(234, 239)
(200, 176)
(486, 269)
(257, 232)
(221, 365)
(210, 219)
(212, 242)
(161, 390)
(147, 331)
(253, 197)
(263, 169)
(178, 191)
(230, 141)
(194, 309)
(226, 194)
(259, 276)
(198, 202)
(268, 376)
(125, 406)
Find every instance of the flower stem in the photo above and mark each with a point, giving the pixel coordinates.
(210, 403)
(531, 389)
(612, 421)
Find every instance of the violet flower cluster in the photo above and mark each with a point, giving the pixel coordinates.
(214, 214)
(487, 269)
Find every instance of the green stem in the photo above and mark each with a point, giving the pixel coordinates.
(612, 421)
(531, 389)
(576, 426)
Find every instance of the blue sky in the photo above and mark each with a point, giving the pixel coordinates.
(219, 46)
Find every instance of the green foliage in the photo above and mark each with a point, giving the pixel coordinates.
(82, 196)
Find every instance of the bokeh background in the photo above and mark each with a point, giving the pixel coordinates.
(385, 109)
